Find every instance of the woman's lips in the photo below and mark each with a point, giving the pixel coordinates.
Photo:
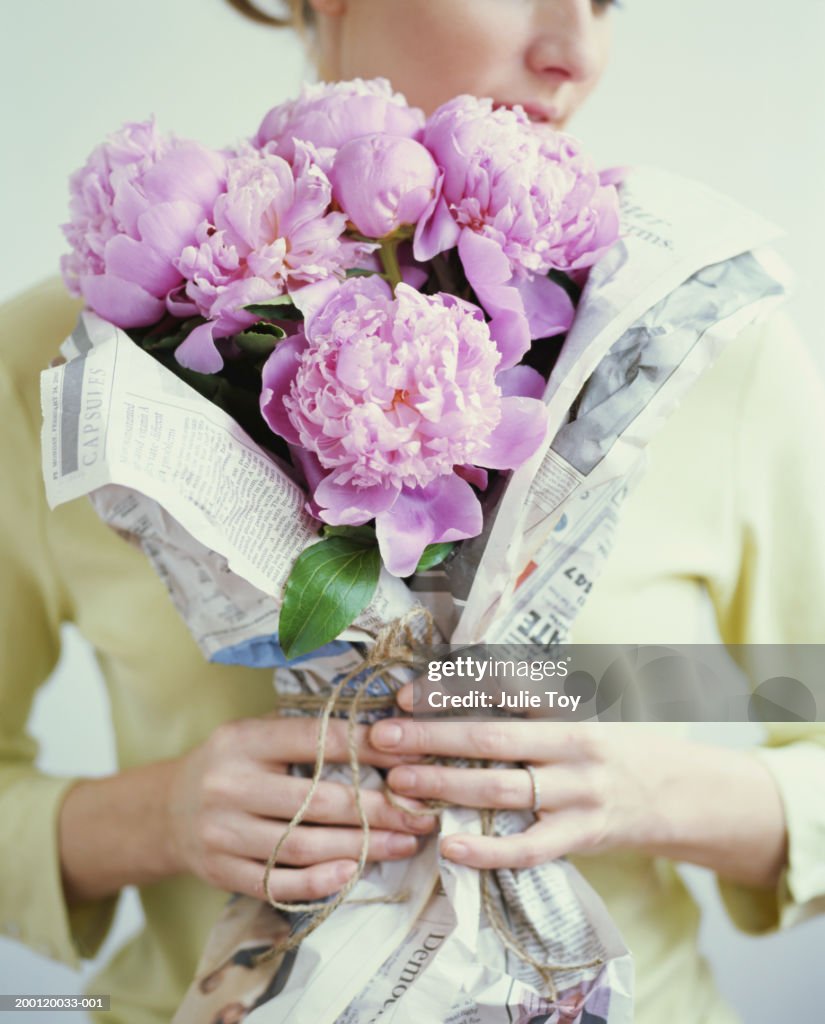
(537, 113)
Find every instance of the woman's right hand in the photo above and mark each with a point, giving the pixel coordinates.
(230, 799)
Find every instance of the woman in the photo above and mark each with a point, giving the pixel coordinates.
(203, 796)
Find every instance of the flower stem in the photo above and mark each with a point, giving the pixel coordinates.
(389, 258)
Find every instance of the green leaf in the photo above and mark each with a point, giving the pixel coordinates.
(167, 343)
(433, 555)
(361, 534)
(206, 384)
(567, 283)
(281, 308)
(331, 583)
(262, 327)
(359, 272)
(167, 335)
(260, 339)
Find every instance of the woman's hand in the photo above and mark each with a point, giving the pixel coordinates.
(597, 787)
(230, 800)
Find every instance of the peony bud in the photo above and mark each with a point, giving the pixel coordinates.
(382, 182)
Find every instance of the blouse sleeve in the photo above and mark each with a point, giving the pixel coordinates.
(778, 599)
(32, 606)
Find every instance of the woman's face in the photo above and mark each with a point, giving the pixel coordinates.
(546, 55)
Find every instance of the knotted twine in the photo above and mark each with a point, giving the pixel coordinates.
(396, 645)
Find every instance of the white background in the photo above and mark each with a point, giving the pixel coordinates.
(730, 92)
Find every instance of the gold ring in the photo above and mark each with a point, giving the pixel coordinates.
(534, 782)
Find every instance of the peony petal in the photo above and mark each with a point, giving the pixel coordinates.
(473, 475)
(180, 305)
(445, 510)
(278, 373)
(169, 227)
(329, 116)
(485, 265)
(511, 333)
(189, 171)
(549, 308)
(608, 214)
(348, 505)
(312, 298)
(313, 473)
(228, 308)
(520, 433)
(199, 351)
(436, 232)
(488, 271)
(521, 381)
(614, 175)
(135, 261)
(121, 302)
(127, 205)
(413, 276)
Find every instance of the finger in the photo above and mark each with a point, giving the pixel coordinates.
(333, 803)
(500, 788)
(237, 874)
(406, 697)
(295, 741)
(548, 839)
(499, 741)
(255, 838)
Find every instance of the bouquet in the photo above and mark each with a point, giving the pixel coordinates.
(385, 286)
(406, 363)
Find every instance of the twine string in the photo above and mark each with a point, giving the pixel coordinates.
(395, 645)
(506, 934)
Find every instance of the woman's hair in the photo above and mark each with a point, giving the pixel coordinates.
(297, 13)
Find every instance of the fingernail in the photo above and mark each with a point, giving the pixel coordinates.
(403, 778)
(454, 851)
(401, 844)
(387, 734)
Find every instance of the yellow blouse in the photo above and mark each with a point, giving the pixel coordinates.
(731, 505)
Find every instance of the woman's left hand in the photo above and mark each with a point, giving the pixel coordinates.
(598, 786)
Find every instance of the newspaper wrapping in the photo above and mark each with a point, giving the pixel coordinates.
(223, 522)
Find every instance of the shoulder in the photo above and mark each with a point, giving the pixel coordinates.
(32, 326)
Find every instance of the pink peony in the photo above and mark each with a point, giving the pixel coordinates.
(382, 182)
(329, 115)
(392, 395)
(135, 206)
(530, 191)
(272, 231)
(518, 202)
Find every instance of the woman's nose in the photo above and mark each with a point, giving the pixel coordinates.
(566, 42)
